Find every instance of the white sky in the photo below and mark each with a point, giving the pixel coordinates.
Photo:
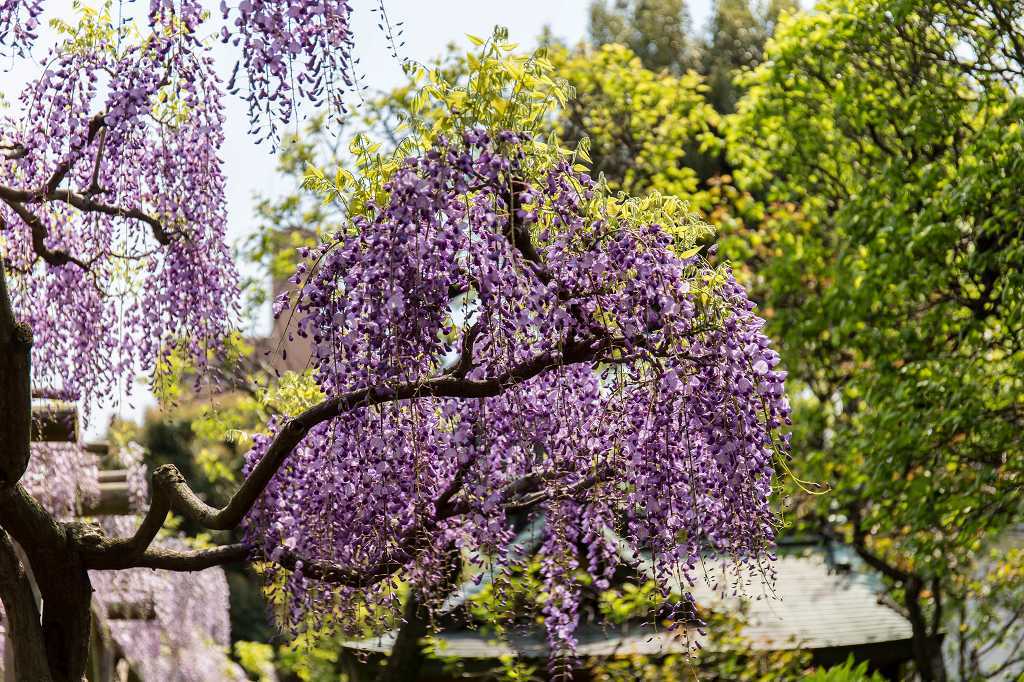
(429, 25)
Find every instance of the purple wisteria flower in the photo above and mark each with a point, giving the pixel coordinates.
(620, 385)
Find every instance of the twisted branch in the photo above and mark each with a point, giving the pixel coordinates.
(172, 493)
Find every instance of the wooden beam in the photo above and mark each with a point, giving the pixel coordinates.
(54, 423)
(102, 448)
(134, 609)
(114, 499)
(113, 475)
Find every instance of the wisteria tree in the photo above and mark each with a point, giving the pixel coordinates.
(494, 334)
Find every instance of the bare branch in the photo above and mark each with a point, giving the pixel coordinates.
(444, 506)
(186, 561)
(568, 492)
(94, 184)
(444, 386)
(340, 575)
(200, 559)
(936, 590)
(18, 198)
(872, 560)
(90, 205)
(519, 233)
(465, 361)
(13, 150)
(95, 124)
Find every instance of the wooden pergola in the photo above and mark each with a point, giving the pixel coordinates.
(54, 421)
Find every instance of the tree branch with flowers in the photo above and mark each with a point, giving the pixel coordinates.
(494, 334)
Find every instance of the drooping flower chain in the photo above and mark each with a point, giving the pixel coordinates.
(19, 24)
(682, 421)
(291, 51)
(156, 150)
(138, 129)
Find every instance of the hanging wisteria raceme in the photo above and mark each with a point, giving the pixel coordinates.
(19, 24)
(292, 51)
(114, 197)
(515, 347)
(111, 181)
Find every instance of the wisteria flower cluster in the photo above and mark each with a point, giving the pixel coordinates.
(117, 157)
(111, 180)
(19, 23)
(291, 50)
(521, 344)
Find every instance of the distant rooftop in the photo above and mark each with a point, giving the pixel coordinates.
(822, 599)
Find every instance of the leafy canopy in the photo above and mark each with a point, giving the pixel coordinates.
(896, 291)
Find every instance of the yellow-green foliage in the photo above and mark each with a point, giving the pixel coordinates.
(257, 659)
(641, 125)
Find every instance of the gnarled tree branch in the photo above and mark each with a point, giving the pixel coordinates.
(39, 234)
(22, 616)
(172, 493)
(18, 199)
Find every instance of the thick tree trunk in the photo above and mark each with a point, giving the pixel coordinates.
(406, 658)
(64, 624)
(67, 619)
(15, 391)
(54, 644)
(927, 647)
(25, 634)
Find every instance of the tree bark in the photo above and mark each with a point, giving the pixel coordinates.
(24, 632)
(53, 644)
(67, 618)
(15, 390)
(407, 657)
(927, 647)
(54, 557)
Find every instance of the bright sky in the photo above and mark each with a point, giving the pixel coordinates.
(429, 25)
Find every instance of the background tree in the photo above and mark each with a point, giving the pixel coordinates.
(470, 365)
(658, 31)
(645, 131)
(896, 127)
(856, 133)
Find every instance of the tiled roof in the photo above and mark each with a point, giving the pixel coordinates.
(809, 604)
(797, 601)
